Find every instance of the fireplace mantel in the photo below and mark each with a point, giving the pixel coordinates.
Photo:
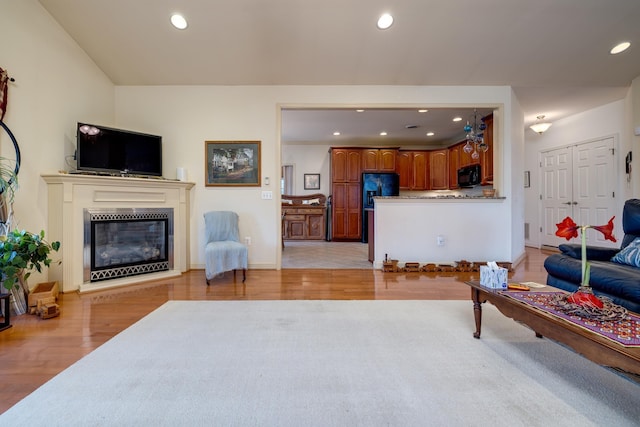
(69, 195)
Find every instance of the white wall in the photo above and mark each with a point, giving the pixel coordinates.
(604, 121)
(308, 159)
(56, 86)
(188, 116)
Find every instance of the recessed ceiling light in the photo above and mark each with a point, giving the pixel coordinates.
(422, 111)
(383, 133)
(360, 111)
(620, 48)
(385, 21)
(336, 133)
(430, 133)
(457, 119)
(178, 21)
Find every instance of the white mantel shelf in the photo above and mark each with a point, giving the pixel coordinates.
(70, 194)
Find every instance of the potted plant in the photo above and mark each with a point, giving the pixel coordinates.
(20, 251)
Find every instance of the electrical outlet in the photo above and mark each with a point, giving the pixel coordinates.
(247, 241)
(267, 195)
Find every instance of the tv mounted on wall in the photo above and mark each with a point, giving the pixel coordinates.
(118, 152)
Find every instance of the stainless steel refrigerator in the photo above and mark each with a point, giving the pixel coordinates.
(376, 184)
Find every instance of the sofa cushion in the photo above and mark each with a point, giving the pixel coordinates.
(629, 255)
(598, 253)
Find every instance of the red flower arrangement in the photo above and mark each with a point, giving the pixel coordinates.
(568, 229)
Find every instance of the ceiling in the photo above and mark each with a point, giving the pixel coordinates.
(555, 54)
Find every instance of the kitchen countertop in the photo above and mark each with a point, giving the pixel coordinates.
(479, 197)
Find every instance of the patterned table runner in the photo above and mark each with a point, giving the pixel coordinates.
(625, 332)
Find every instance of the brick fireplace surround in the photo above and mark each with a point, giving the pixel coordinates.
(69, 195)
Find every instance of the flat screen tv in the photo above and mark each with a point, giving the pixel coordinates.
(115, 151)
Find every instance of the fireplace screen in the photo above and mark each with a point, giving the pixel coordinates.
(127, 242)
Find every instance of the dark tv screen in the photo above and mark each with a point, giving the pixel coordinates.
(117, 151)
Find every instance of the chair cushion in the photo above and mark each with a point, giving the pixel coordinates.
(629, 255)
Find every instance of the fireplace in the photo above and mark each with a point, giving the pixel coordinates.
(126, 242)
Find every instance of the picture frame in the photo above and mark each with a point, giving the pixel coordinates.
(232, 163)
(311, 181)
(527, 179)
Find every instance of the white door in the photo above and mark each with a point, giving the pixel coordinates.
(578, 181)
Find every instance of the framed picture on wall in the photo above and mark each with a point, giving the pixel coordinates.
(311, 181)
(232, 163)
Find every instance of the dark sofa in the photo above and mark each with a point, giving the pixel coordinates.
(620, 282)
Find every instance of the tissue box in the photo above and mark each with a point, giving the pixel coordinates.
(494, 278)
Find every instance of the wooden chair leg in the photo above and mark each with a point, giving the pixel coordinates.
(244, 274)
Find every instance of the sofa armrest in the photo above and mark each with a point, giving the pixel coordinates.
(596, 253)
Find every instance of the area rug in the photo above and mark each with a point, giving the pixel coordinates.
(329, 363)
(625, 332)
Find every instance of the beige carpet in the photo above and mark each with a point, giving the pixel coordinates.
(325, 255)
(329, 363)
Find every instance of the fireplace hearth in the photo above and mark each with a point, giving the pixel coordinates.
(125, 242)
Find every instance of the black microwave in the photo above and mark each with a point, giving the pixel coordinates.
(468, 176)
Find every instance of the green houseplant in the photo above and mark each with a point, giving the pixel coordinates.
(20, 251)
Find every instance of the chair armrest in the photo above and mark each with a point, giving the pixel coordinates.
(596, 253)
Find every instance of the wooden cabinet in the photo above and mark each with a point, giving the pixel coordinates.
(439, 169)
(346, 210)
(379, 159)
(486, 158)
(346, 164)
(413, 169)
(306, 223)
(454, 164)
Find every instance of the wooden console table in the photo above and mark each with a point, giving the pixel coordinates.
(304, 217)
(594, 347)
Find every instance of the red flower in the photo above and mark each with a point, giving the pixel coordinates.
(567, 229)
(606, 230)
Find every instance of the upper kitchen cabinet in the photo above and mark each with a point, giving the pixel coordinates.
(379, 159)
(346, 164)
(439, 169)
(413, 169)
(486, 158)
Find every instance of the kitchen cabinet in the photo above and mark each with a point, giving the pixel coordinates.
(379, 159)
(346, 164)
(486, 159)
(439, 169)
(346, 211)
(346, 214)
(413, 169)
(458, 158)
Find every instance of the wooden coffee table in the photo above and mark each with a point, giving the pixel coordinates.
(594, 347)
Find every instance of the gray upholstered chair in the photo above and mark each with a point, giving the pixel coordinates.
(223, 250)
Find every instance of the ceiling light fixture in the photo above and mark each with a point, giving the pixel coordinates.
(336, 133)
(422, 111)
(540, 126)
(360, 111)
(475, 137)
(383, 133)
(385, 21)
(457, 119)
(178, 21)
(620, 47)
(430, 133)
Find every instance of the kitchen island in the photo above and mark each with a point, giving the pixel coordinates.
(441, 229)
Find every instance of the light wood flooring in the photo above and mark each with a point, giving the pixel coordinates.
(35, 350)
